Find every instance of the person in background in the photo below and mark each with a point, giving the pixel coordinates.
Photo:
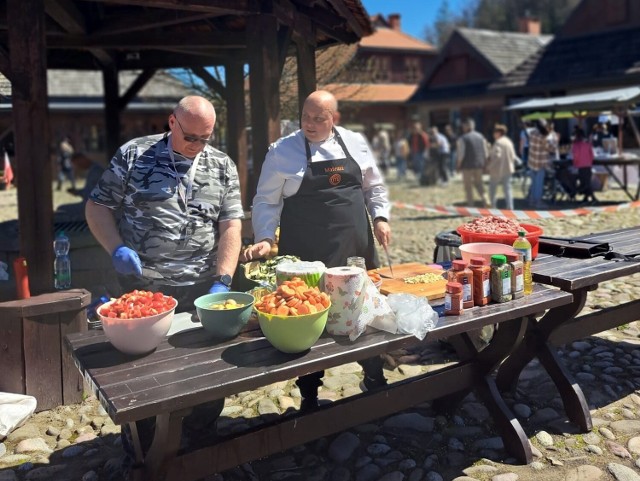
(540, 151)
(168, 211)
(500, 166)
(452, 139)
(582, 155)
(382, 149)
(523, 144)
(554, 142)
(473, 151)
(597, 134)
(442, 155)
(418, 149)
(81, 164)
(401, 152)
(320, 185)
(65, 169)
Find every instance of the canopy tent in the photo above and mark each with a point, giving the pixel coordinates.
(594, 101)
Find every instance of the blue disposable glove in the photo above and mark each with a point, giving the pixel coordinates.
(218, 287)
(126, 261)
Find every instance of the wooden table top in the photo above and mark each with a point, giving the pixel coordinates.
(190, 367)
(570, 274)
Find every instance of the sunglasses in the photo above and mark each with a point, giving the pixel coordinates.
(192, 139)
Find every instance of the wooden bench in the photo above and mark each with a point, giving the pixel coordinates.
(190, 368)
(562, 324)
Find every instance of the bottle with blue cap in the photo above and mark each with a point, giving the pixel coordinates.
(62, 263)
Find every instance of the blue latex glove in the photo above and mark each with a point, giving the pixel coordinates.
(126, 261)
(218, 287)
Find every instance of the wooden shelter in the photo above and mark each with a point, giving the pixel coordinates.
(114, 35)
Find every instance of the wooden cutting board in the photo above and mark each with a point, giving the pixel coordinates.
(434, 290)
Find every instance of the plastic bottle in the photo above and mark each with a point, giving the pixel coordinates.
(481, 282)
(522, 245)
(500, 279)
(453, 299)
(459, 272)
(517, 274)
(62, 263)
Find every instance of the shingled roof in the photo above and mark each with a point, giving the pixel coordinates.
(504, 50)
(579, 61)
(385, 38)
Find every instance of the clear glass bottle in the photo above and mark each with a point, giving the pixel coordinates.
(357, 262)
(62, 263)
(523, 245)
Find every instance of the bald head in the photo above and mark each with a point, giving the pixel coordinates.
(319, 115)
(191, 124)
(323, 99)
(196, 107)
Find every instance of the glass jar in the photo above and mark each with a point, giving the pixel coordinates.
(356, 261)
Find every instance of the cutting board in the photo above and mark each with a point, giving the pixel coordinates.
(433, 290)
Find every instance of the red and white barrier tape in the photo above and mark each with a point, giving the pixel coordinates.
(514, 214)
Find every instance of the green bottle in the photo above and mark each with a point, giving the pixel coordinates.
(523, 246)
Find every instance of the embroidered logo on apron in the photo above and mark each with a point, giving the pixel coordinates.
(335, 179)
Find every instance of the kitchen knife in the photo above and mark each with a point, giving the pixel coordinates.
(386, 251)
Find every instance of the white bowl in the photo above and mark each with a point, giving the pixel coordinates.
(137, 336)
(484, 249)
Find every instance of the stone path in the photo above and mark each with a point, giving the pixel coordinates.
(80, 442)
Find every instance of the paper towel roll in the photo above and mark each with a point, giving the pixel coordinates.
(345, 287)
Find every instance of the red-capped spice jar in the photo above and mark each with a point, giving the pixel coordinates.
(481, 280)
(453, 305)
(517, 275)
(459, 272)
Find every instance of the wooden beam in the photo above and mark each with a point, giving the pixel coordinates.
(135, 87)
(211, 82)
(111, 110)
(306, 62)
(223, 7)
(31, 119)
(151, 21)
(333, 25)
(347, 14)
(148, 40)
(66, 14)
(284, 40)
(237, 126)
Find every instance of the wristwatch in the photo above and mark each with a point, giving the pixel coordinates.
(223, 279)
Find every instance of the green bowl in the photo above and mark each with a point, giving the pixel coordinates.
(225, 323)
(293, 334)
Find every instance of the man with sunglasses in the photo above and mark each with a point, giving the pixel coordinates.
(168, 211)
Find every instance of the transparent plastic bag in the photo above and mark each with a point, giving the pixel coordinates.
(414, 315)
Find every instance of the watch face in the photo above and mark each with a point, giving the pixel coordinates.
(226, 279)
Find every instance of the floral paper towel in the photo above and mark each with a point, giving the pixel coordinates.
(344, 285)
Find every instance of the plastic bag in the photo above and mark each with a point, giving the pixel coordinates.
(375, 312)
(14, 410)
(414, 315)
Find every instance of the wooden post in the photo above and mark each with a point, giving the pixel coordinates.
(32, 351)
(31, 127)
(236, 127)
(306, 56)
(111, 110)
(262, 37)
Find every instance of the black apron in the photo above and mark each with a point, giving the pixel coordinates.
(326, 220)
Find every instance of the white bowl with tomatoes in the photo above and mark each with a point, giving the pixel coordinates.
(138, 321)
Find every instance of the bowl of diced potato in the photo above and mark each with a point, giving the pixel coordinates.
(224, 314)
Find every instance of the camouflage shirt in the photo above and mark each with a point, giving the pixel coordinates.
(177, 242)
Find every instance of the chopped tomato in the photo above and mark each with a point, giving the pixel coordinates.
(137, 304)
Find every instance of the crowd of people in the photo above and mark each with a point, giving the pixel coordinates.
(435, 157)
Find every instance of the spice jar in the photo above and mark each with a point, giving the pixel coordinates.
(481, 281)
(453, 299)
(500, 279)
(517, 275)
(459, 272)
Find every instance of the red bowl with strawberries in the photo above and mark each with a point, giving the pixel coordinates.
(137, 322)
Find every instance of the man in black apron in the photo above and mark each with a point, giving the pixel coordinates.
(323, 216)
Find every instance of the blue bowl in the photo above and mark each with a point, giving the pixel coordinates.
(224, 323)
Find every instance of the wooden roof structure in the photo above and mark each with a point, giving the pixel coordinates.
(146, 35)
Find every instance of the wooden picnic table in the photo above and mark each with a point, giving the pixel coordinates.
(608, 162)
(562, 324)
(190, 368)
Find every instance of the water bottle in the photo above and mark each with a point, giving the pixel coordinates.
(523, 246)
(62, 264)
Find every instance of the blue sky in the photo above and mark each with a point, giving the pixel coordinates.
(415, 14)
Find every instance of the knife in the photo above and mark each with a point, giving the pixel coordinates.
(386, 251)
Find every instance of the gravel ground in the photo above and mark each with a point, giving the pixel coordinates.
(80, 442)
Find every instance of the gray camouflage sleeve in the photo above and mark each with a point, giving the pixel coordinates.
(109, 190)
(232, 201)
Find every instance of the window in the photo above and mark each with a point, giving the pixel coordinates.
(412, 70)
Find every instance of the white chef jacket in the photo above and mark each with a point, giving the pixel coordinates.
(284, 167)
